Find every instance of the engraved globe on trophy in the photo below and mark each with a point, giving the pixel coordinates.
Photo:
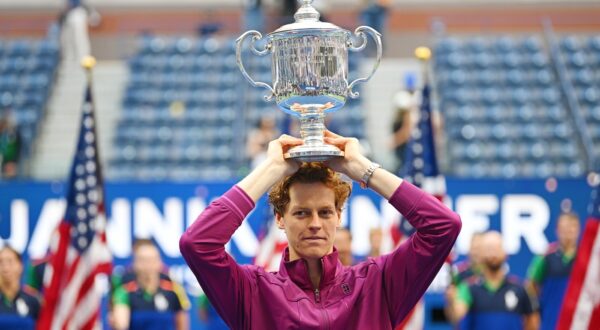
(310, 74)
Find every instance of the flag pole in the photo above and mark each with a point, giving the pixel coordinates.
(424, 55)
(88, 63)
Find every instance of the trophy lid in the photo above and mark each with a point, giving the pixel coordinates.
(307, 18)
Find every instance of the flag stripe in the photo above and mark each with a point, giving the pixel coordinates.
(595, 320)
(590, 290)
(86, 307)
(78, 285)
(92, 321)
(73, 266)
(56, 268)
(578, 276)
(82, 297)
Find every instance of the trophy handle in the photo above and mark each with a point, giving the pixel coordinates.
(238, 54)
(361, 33)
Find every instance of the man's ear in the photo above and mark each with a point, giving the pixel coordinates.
(279, 220)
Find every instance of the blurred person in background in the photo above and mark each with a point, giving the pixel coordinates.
(343, 244)
(375, 14)
(34, 277)
(254, 17)
(470, 267)
(208, 315)
(19, 309)
(10, 147)
(494, 300)
(287, 10)
(74, 21)
(465, 270)
(375, 238)
(259, 138)
(549, 274)
(149, 300)
(406, 103)
(311, 282)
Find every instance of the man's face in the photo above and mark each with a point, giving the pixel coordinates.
(343, 242)
(493, 255)
(567, 230)
(475, 250)
(10, 267)
(375, 236)
(310, 220)
(147, 260)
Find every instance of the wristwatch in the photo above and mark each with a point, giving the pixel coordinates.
(364, 181)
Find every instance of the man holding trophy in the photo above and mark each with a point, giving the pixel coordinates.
(312, 289)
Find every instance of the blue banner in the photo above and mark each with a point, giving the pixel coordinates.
(524, 211)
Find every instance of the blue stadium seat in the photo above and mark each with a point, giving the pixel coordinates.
(502, 104)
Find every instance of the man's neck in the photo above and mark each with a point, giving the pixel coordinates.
(149, 283)
(374, 253)
(315, 269)
(568, 249)
(9, 290)
(494, 278)
(346, 259)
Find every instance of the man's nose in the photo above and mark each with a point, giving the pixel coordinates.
(315, 221)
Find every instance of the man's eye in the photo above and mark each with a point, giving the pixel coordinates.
(300, 213)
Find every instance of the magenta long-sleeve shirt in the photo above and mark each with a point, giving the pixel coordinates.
(375, 294)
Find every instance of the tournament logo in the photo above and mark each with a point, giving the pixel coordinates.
(22, 308)
(511, 300)
(160, 302)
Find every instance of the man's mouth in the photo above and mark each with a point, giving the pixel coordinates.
(313, 238)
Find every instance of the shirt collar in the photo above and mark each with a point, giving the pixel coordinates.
(297, 270)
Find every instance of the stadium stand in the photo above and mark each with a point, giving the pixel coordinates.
(582, 59)
(27, 69)
(505, 113)
(187, 109)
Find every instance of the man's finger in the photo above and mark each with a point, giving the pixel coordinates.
(329, 133)
(287, 139)
(338, 142)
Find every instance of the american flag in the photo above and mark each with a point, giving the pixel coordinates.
(420, 162)
(78, 249)
(581, 304)
(421, 169)
(271, 248)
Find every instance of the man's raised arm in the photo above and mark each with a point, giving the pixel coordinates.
(408, 271)
(203, 244)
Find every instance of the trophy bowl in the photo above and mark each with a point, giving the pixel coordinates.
(310, 74)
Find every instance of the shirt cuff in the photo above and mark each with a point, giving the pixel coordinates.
(239, 201)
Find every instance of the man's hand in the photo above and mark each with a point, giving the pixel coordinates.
(353, 164)
(274, 168)
(277, 148)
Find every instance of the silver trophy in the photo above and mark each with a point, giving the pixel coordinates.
(310, 74)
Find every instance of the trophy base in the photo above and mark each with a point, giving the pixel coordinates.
(313, 153)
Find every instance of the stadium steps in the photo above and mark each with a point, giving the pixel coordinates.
(57, 138)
